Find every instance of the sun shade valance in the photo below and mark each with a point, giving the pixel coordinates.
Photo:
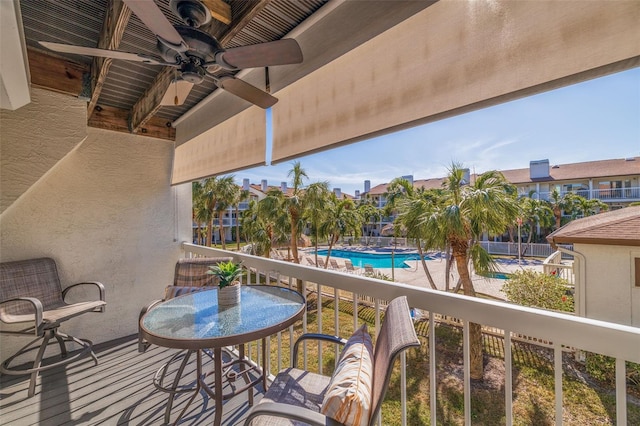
(451, 58)
(234, 144)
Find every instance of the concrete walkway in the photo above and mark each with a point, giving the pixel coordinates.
(489, 286)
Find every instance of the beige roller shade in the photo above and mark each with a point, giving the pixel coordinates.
(453, 57)
(234, 144)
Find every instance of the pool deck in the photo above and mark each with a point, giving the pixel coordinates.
(414, 275)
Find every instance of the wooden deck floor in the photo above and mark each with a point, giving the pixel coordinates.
(119, 391)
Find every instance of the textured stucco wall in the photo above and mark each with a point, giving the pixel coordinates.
(24, 137)
(610, 293)
(105, 212)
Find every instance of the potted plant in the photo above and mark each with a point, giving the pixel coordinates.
(228, 275)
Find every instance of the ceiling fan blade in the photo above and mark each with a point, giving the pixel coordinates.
(279, 52)
(151, 15)
(176, 93)
(90, 51)
(246, 91)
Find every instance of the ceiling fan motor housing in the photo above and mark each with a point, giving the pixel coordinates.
(202, 48)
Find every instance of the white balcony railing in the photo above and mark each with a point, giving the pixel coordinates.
(611, 195)
(548, 329)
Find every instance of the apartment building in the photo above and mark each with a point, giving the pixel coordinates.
(615, 182)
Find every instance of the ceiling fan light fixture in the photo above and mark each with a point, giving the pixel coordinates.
(192, 73)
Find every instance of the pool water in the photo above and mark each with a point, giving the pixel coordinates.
(377, 260)
(498, 275)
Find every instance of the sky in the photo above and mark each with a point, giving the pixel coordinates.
(594, 120)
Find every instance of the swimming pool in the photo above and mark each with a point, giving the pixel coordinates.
(377, 260)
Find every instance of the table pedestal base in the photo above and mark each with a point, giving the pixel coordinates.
(220, 372)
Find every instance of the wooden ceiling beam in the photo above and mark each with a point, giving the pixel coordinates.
(149, 102)
(117, 120)
(220, 10)
(54, 73)
(242, 21)
(116, 18)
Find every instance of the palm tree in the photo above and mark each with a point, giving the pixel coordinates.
(589, 207)
(239, 196)
(341, 219)
(200, 214)
(560, 203)
(316, 197)
(265, 223)
(225, 190)
(458, 219)
(370, 214)
(411, 211)
(535, 213)
(295, 206)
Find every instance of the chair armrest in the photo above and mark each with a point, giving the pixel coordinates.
(287, 411)
(315, 336)
(37, 306)
(96, 283)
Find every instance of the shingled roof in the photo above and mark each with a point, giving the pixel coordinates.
(617, 227)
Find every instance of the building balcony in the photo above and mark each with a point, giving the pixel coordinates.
(120, 391)
(614, 195)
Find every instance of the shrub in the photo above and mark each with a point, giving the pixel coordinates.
(603, 368)
(536, 289)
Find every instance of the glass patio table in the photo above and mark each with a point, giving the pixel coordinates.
(195, 322)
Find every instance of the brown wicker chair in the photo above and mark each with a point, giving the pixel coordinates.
(31, 293)
(296, 396)
(190, 275)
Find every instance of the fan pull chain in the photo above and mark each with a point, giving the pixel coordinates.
(175, 85)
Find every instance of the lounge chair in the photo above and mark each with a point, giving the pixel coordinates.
(368, 270)
(348, 266)
(298, 396)
(31, 293)
(321, 263)
(334, 264)
(310, 261)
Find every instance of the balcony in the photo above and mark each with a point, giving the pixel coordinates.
(119, 390)
(624, 195)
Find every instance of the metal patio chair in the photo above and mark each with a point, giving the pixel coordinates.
(31, 293)
(296, 396)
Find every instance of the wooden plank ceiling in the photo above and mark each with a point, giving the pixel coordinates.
(125, 96)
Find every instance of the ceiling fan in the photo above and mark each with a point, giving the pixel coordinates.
(195, 53)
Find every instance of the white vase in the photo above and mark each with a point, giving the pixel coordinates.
(229, 295)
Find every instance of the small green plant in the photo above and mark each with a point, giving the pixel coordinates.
(226, 272)
(540, 290)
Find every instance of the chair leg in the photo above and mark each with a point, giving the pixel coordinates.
(38, 362)
(63, 347)
(37, 367)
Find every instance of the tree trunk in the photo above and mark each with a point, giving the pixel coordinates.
(447, 267)
(210, 233)
(425, 267)
(332, 240)
(294, 239)
(222, 239)
(475, 332)
(237, 227)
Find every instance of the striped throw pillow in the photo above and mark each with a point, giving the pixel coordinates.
(348, 396)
